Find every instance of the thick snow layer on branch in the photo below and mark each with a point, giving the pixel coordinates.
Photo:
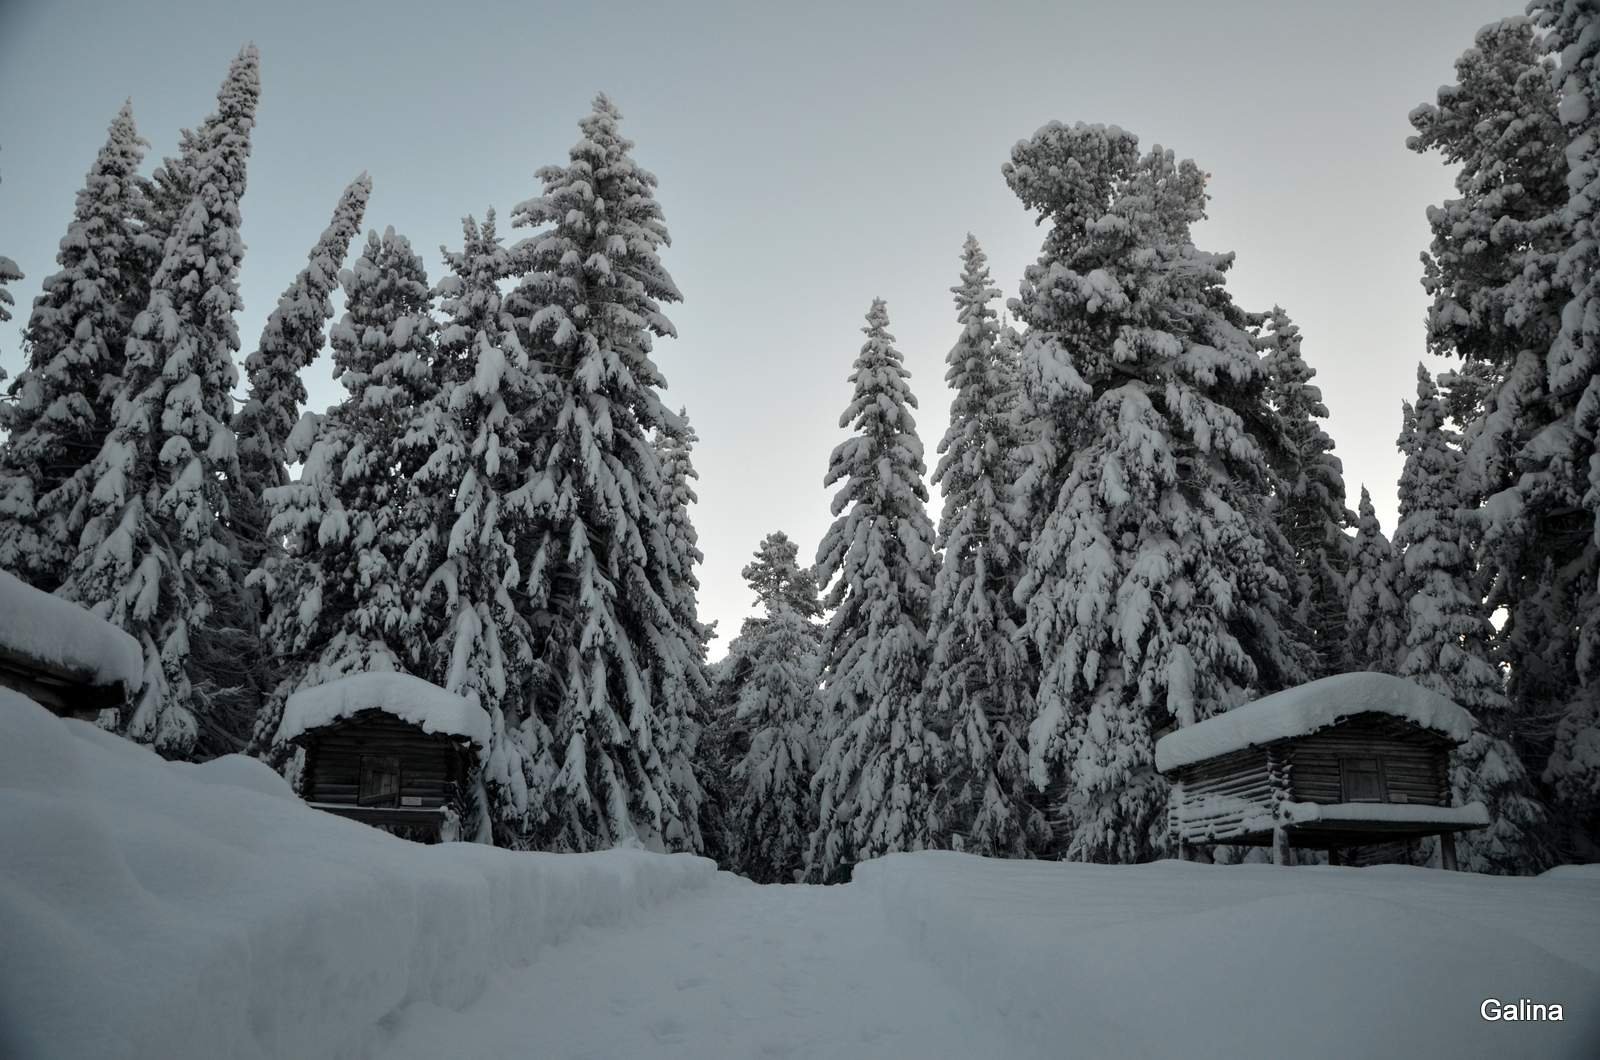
(1307, 708)
(154, 909)
(1222, 962)
(408, 698)
(56, 631)
(1472, 815)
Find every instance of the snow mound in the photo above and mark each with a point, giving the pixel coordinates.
(51, 630)
(1307, 708)
(151, 909)
(1211, 961)
(408, 698)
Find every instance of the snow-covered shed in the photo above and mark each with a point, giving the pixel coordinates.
(61, 656)
(389, 750)
(1348, 761)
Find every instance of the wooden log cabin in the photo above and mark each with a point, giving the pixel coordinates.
(62, 657)
(1340, 764)
(392, 751)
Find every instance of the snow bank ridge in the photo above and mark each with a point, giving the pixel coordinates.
(154, 909)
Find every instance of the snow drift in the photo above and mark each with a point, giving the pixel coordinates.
(1181, 959)
(151, 909)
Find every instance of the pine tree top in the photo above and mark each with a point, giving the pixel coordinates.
(608, 229)
(880, 414)
(293, 335)
(382, 345)
(85, 304)
(778, 580)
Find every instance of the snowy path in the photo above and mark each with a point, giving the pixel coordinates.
(732, 970)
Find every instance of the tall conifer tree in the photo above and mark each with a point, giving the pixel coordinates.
(875, 783)
(1152, 591)
(1510, 270)
(477, 642)
(775, 663)
(75, 339)
(979, 685)
(292, 339)
(1375, 627)
(154, 557)
(1309, 497)
(1448, 641)
(1573, 40)
(625, 668)
(342, 599)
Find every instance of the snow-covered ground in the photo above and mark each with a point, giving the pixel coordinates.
(157, 910)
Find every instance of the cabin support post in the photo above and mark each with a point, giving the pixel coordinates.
(1333, 855)
(1282, 852)
(1447, 852)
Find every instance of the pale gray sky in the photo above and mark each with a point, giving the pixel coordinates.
(812, 156)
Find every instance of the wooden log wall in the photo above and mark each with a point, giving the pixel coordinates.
(1213, 800)
(1416, 763)
(431, 765)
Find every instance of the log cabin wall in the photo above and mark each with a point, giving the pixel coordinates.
(1415, 762)
(432, 767)
(1213, 800)
(57, 691)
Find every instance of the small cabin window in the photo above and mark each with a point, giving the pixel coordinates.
(380, 781)
(1362, 779)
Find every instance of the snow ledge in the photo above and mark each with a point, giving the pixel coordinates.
(1472, 815)
(406, 697)
(1309, 708)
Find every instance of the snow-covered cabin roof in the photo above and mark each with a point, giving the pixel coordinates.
(408, 698)
(58, 635)
(1308, 708)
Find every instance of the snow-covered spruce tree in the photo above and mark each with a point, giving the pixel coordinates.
(875, 782)
(774, 667)
(1448, 641)
(778, 581)
(1308, 495)
(291, 340)
(1497, 304)
(1573, 40)
(60, 409)
(341, 598)
(477, 643)
(979, 686)
(1375, 626)
(154, 556)
(1152, 593)
(176, 180)
(674, 442)
(1067, 199)
(679, 552)
(625, 668)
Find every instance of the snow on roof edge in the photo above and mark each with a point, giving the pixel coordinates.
(1308, 708)
(408, 698)
(53, 631)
